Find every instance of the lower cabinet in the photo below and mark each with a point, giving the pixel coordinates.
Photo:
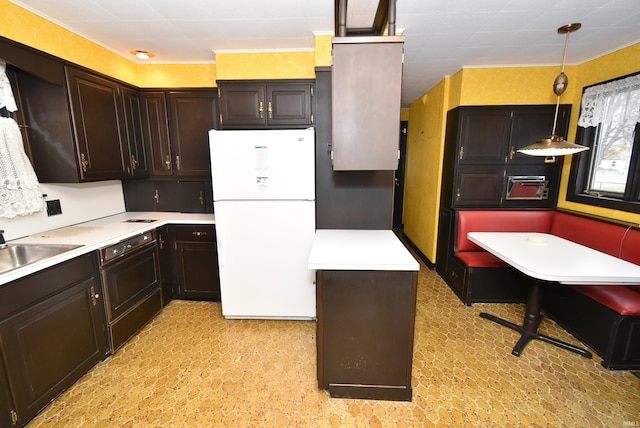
(365, 333)
(164, 238)
(195, 263)
(52, 331)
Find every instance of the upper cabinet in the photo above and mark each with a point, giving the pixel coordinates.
(481, 159)
(255, 104)
(192, 114)
(176, 126)
(83, 130)
(366, 101)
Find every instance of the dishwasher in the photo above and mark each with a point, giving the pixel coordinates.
(130, 273)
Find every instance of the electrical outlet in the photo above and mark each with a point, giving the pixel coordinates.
(53, 207)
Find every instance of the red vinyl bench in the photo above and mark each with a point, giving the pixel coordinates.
(604, 317)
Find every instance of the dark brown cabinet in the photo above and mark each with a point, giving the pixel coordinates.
(155, 125)
(266, 104)
(195, 263)
(165, 242)
(137, 157)
(192, 114)
(481, 146)
(52, 331)
(85, 129)
(168, 195)
(365, 333)
(366, 98)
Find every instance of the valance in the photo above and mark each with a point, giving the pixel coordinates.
(617, 100)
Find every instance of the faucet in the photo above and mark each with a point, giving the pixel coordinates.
(2, 243)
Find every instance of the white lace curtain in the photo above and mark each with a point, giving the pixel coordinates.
(618, 100)
(20, 192)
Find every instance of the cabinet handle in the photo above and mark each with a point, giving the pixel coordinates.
(178, 167)
(161, 241)
(167, 162)
(83, 161)
(134, 162)
(201, 198)
(457, 194)
(512, 152)
(261, 109)
(198, 233)
(94, 296)
(270, 110)
(461, 152)
(157, 197)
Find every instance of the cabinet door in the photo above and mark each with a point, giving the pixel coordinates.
(192, 115)
(165, 242)
(484, 135)
(98, 122)
(242, 105)
(196, 262)
(289, 105)
(156, 133)
(533, 123)
(51, 344)
(478, 186)
(177, 196)
(135, 141)
(366, 83)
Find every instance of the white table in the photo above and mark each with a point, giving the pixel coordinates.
(549, 258)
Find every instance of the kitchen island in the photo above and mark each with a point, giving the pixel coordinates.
(366, 302)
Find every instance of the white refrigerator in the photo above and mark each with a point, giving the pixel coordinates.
(264, 206)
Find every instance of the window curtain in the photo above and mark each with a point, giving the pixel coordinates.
(617, 101)
(20, 192)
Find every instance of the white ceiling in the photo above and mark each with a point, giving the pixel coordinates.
(442, 36)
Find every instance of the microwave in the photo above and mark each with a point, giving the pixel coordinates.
(527, 187)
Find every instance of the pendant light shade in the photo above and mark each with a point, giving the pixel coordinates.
(555, 145)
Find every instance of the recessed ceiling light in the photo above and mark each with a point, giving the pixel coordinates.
(142, 54)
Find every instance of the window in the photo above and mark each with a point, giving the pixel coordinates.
(608, 175)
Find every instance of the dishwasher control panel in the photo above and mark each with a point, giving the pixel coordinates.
(122, 247)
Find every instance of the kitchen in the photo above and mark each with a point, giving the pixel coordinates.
(104, 203)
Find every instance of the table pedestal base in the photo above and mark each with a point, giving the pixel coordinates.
(529, 329)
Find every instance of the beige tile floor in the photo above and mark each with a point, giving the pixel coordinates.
(192, 368)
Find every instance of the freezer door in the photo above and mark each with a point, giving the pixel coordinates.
(263, 251)
(263, 164)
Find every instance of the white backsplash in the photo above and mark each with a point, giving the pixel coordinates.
(80, 202)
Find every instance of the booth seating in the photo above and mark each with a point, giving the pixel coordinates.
(604, 317)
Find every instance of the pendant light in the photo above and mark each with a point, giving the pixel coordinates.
(555, 145)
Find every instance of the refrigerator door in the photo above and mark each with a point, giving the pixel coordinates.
(263, 250)
(263, 164)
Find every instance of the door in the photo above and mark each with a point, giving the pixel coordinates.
(98, 122)
(156, 133)
(398, 192)
(243, 105)
(266, 164)
(191, 115)
(263, 251)
(51, 344)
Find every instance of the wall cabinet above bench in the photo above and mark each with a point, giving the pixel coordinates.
(255, 104)
(481, 153)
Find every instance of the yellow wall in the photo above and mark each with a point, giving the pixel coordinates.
(619, 63)
(25, 27)
(425, 148)
(493, 86)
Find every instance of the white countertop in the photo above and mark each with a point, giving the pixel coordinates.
(360, 250)
(551, 258)
(96, 234)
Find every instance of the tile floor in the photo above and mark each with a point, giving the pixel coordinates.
(192, 368)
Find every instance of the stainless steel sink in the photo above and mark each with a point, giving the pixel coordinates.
(14, 256)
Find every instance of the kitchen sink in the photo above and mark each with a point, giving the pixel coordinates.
(14, 256)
